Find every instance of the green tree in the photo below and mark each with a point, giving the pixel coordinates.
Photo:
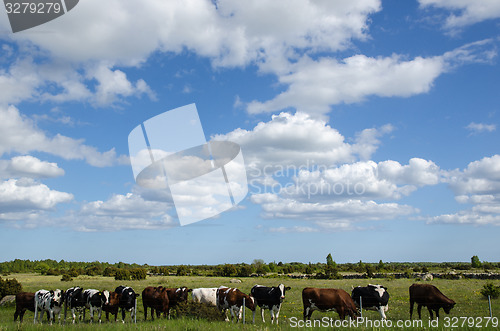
(331, 269)
(474, 261)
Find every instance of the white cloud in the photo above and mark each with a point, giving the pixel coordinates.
(465, 12)
(26, 195)
(480, 127)
(19, 134)
(479, 185)
(297, 141)
(121, 212)
(313, 86)
(30, 167)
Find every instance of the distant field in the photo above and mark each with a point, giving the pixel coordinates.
(465, 292)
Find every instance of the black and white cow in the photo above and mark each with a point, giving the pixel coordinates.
(372, 297)
(73, 300)
(269, 298)
(94, 300)
(50, 302)
(127, 301)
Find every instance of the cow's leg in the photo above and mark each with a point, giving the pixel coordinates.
(262, 314)
(271, 312)
(16, 313)
(381, 312)
(253, 315)
(145, 311)
(123, 315)
(437, 312)
(91, 309)
(277, 314)
(411, 307)
(419, 310)
(430, 313)
(73, 315)
(307, 313)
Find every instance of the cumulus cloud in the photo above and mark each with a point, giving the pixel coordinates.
(313, 86)
(120, 212)
(298, 140)
(21, 135)
(479, 185)
(29, 167)
(464, 12)
(26, 195)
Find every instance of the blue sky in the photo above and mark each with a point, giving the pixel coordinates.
(384, 113)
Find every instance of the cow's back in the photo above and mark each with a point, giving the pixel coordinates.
(427, 294)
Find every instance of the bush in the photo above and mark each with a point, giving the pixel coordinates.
(9, 287)
(66, 278)
(122, 274)
(138, 274)
(197, 310)
(490, 290)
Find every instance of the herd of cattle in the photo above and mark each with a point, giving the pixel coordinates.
(161, 300)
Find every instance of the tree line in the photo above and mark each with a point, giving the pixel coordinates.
(328, 270)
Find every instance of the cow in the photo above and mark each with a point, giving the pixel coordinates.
(112, 305)
(49, 301)
(205, 295)
(269, 298)
(232, 299)
(430, 296)
(371, 297)
(157, 299)
(328, 299)
(95, 300)
(127, 301)
(176, 295)
(73, 300)
(24, 301)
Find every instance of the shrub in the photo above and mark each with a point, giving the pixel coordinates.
(9, 287)
(122, 274)
(66, 278)
(197, 310)
(490, 290)
(138, 274)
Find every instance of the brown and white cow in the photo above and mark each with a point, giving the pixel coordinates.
(155, 298)
(112, 305)
(328, 299)
(176, 296)
(232, 299)
(430, 296)
(24, 301)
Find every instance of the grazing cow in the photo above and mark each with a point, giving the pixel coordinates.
(429, 296)
(94, 300)
(112, 305)
(73, 300)
(127, 301)
(175, 296)
(232, 299)
(328, 299)
(205, 295)
(157, 299)
(24, 300)
(372, 297)
(269, 298)
(49, 301)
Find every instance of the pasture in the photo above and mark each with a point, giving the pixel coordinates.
(465, 292)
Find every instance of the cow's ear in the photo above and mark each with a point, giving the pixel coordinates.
(51, 291)
(288, 288)
(137, 295)
(190, 290)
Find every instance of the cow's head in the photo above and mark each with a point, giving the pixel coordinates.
(250, 302)
(448, 306)
(128, 298)
(113, 298)
(57, 297)
(181, 294)
(104, 296)
(282, 290)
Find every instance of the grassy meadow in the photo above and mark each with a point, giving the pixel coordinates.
(465, 292)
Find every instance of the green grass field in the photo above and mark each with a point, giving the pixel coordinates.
(465, 292)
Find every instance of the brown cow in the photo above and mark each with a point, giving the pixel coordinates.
(112, 305)
(175, 296)
(328, 299)
(429, 296)
(232, 299)
(157, 299)
(24, 300)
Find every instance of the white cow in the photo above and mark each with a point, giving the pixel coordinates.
(49, 301)
(205, 295)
